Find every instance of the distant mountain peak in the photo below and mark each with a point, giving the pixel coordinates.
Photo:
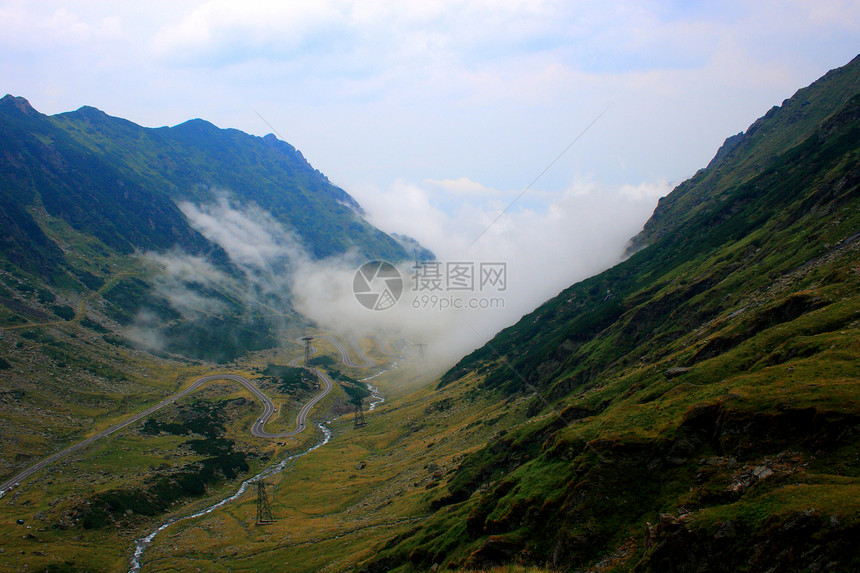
(197, 125)
(780, 129)
(18, 102)
(89, 111)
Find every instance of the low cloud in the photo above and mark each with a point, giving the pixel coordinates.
(463, 185)
(252, 238)
(259, 248)
(546, 244)
(548, 240)
(542, 247)
(183, 281)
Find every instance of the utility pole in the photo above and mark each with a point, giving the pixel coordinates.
(264, 510)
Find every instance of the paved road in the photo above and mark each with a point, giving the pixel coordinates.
(344, 354)
(258, 429)
(368, 361)
(388, 352)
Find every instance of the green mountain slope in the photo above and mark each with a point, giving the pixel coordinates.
(43, 167)
(745, 155)
(696, 407)
(197, 161)
(83, 194)
(107, 289)
(95, 171)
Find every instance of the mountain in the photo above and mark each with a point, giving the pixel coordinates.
(696, 407)
(744, 155)
(111, 291)
(72, 161)
(83, 194)
(42, 166)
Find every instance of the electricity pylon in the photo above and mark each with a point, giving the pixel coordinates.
(359, 417)
(264, 510)
(307, 340)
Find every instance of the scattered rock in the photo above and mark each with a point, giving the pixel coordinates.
(719, 461)
(762, 472)
(360, 465)
(725, 531)
(676, 371)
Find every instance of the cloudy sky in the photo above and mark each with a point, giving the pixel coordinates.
(437, 115)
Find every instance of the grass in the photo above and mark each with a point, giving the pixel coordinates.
(129, 459)
(839, 500)
(343, 504)
(349, 497)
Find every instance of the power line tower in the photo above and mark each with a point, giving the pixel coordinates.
(421, 346)
(264, 510)
(359, 417)
(307, 340)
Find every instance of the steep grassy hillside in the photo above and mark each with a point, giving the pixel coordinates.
(197, 161)
(745, 155)
(697, 406)
(83, 194)
(107, 290)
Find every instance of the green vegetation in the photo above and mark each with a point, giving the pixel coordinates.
(323, 360)
(218, 461)
(129, 296)
(286, 378)
(78, 159)
(93, 325)
(355, 390)
(87, 194)
(702, 395)
(64, 312)
(695, 407)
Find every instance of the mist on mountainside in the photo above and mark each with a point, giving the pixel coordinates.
(534, 253)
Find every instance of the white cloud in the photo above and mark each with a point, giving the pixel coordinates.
(250, 235)
(223, 31)
(647, 191)
(556, 240)
(61, 25)
(462, 185)
(178, 273)
(436, 114)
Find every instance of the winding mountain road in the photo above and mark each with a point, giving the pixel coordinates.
(344, 354)
(258, 429)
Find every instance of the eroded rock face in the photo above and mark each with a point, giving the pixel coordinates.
(803, 541)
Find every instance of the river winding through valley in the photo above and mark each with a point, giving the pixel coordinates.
(376, 398)
(141, 544)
